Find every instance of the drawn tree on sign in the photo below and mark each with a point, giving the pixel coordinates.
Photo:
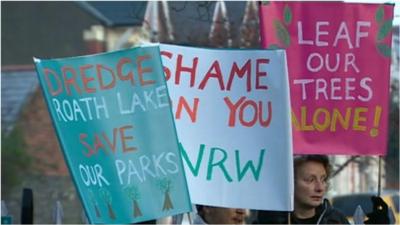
(106, 197)
(133, 193)
(165, 186)
(92, 198)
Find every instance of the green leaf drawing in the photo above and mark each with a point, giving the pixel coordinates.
(384, 30)
(281, 33)
(164, 184)
(105, 195)
(287, 14)
(265, 2)
(91, 196)
(132, 192)
(384, 49)
(380, 13)
(273, 46)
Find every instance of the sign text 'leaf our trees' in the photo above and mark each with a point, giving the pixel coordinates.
(339, 68)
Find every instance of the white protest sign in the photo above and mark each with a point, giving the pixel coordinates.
(232, 115)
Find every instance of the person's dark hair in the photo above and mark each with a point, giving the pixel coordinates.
(199, 207)
(323, 159)
(200, 210)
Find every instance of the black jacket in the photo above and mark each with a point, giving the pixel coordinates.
(325, 214)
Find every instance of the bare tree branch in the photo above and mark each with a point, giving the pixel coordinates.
(176, 9)
(341, 167)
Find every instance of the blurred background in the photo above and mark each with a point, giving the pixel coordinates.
(30, 155)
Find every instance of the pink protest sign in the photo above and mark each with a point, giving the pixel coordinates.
(338, 58)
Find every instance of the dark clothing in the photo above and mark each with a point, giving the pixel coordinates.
(325, 214)
(272, 217)
(312, 220)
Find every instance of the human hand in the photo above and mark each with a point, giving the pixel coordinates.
(379, 214)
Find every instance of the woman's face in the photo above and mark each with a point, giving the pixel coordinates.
(310, 185)
(218, 215)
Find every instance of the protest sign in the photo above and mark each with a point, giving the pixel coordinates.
(339, 70)
(114, 122)
(232, 115)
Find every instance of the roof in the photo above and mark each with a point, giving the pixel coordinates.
(16, 88)
(191, 20)
(116, 13)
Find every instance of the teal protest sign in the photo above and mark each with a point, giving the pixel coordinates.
(113, 118)
(6, 220)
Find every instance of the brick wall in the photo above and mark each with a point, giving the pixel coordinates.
(48, 175)
(41, 139)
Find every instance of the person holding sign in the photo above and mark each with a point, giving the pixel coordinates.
(219, 215)
(311, 174)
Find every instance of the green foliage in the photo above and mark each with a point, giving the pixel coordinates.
(287, 15)
(384, 30)
(14, 159)
(282, 33)
(164, 184)
(384, 49)
(265, 2)
(273, 46)
(380, 13)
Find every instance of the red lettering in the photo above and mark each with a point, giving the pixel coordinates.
(124, 138)
(98, 144)
(70, 81)
(120, 65)
(53, 92)
(232, 109)
(245, 70)
(241, 113)
(255, 114)
(215, 72)
(86, 79)
(167, 72)
(190, 70)
(182, 103)
(82, 136)
(260, 74)
(100, 76)
(266, 122)
(142, 70)
(114, 140)
(108, 144)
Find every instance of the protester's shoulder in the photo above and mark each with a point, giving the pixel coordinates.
(331, 215)
(334, 216)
